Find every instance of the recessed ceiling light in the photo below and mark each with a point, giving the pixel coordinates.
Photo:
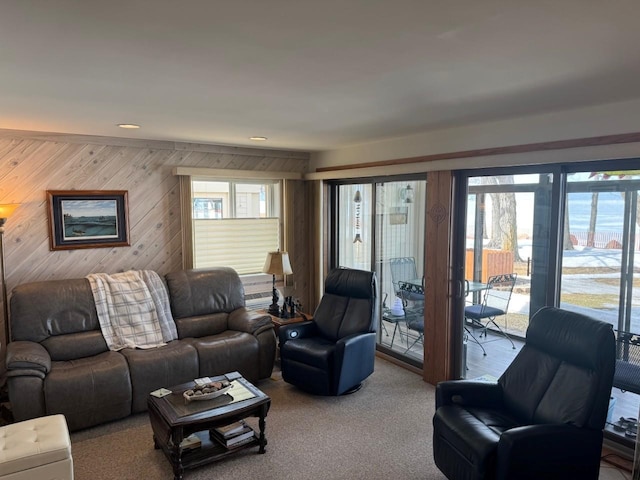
(128, 125)
(258, 139)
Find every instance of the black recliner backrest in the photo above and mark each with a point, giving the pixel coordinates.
(349, 304)
(564, 372)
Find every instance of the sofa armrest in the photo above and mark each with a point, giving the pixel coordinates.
(24, 357)
(243, 320)
(468, 392)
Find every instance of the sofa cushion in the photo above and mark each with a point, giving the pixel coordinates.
(56, 307)
(75, 345)
(89, 391)
(202, 326)
(153, 368)
(474, 433)
(203, 291)
(227, 352)
(316, 352)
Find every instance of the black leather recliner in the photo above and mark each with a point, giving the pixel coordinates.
(545, 415)
(333, 353)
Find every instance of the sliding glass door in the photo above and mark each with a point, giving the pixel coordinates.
(381, 227)
(506, 248)
(600, 274)
(570, 234)
(600, 258)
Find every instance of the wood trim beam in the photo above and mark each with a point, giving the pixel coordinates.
(506, 150)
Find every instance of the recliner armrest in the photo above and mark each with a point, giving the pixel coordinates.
(468, 393)
(563, 447)
(354, 357)
(296, 330)
(351, 339)
(353, 343)
(27, 356)
(243, 320)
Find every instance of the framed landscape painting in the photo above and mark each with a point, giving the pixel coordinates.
(88, 219)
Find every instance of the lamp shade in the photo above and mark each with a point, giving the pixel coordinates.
(6, 209)
(277, 263)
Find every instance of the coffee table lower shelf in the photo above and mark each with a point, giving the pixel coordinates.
(208, 451)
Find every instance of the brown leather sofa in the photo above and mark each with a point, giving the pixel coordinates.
(59, 362)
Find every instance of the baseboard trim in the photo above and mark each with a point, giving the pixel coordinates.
(399, 363)
(617, 455)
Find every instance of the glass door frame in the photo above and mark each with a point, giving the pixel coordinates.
(333, 240)
(546, 276)
(544, 252)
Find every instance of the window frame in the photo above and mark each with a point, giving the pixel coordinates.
(273, 211)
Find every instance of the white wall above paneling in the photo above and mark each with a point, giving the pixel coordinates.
(593, 121)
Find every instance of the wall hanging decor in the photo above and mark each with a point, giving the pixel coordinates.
(88, 219)
(357, 199)
(398, 215)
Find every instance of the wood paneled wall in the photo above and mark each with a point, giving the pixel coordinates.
(33, 162)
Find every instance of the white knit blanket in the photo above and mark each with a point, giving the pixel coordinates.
(133, 309)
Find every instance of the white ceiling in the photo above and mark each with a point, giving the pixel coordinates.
(308, 74)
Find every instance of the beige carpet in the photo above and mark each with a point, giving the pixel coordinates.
(383, 431)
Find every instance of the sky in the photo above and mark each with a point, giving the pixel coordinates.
(89, 208)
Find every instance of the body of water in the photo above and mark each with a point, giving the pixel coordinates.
(610, 211)
(609, 220)
(90, 227)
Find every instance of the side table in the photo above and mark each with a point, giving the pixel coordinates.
(279, 322)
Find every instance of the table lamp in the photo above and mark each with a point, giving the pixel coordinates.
(277, 264)
(5, 212)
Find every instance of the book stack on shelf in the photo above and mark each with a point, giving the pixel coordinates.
(191, 442)
(233, 435)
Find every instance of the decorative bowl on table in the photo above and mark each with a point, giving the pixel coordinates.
(207, 391)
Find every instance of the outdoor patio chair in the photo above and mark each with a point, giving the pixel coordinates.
(495, 303)
(627, 374)
(404, 269)
(413, 305)
(469, 331)
(472, 337)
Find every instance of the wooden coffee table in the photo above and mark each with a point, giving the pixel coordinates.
(173, 420)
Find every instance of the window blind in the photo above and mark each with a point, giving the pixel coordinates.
(239, 243)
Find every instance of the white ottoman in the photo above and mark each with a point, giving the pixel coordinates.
(36, 449)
